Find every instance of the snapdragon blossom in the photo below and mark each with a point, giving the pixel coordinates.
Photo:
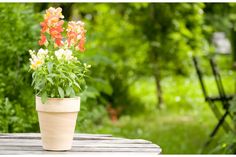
(51, 37)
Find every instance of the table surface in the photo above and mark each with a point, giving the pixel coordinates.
(30, 143)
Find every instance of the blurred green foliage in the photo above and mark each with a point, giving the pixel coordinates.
(182, 127)
(133, 48)
(19, 33)
(143, 43)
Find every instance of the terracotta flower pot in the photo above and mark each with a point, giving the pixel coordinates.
(57, 119)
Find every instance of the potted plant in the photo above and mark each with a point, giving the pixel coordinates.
(58, 78)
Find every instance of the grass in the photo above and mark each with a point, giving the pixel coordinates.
(184, 123)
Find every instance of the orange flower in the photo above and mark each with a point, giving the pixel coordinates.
(52, 25)
(76, 34)
(71, 33)
(82, 42)
(71, 37)
(44, 27)
(58, 42)
(43, 40)
(55, 33)
(53, 12)
(53, 21)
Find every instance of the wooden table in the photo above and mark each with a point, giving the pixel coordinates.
(30, 143)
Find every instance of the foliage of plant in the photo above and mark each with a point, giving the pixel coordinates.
(18, 31)
(57, 70)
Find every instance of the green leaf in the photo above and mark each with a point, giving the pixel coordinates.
(41, 83)
(61, 92)
(50, 80)
(52, 75)
(68, 90)
(77, 84)
(72, 93)
(44, 97)
(50, 66)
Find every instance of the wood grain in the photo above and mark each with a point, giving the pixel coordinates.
(30, 143)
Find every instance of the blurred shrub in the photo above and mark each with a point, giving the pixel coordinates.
(19, 33)
(115, 62)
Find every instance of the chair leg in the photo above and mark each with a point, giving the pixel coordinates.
(220, 122)
(218, 115)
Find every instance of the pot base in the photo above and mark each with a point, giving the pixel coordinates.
(57, 130)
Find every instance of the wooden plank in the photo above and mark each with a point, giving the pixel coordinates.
(30, 143)
(105, 145)
(124, 141)
(38, 136)
(75, 138)
(86, 154)
(79, 149)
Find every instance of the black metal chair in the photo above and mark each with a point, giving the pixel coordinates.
(222, 97)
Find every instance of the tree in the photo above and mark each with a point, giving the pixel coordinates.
(222, 18)
(144, 40)
(171, 38)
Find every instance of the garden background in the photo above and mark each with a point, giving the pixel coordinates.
(143, 83)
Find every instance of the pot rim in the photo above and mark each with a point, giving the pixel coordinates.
(58, 105)
(77, 97)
